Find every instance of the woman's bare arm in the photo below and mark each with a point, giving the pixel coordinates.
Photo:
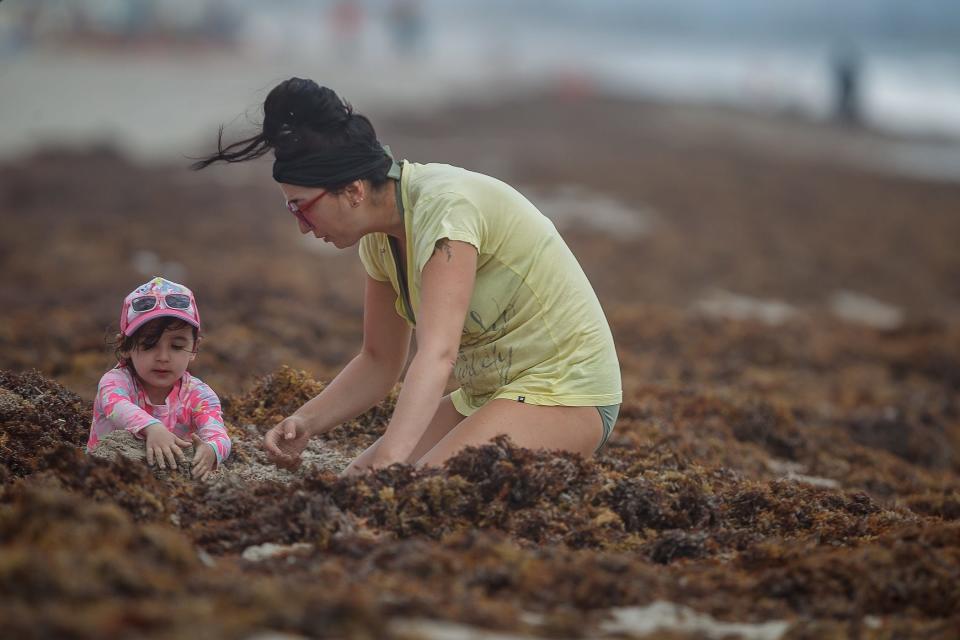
(447, 286)
(362, 383)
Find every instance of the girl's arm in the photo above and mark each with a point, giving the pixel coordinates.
(361, 384)
(117, 397)
(208, 420)
(447, 286)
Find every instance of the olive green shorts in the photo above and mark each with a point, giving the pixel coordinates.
(608, 415)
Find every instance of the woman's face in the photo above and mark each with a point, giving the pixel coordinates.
(327, 215)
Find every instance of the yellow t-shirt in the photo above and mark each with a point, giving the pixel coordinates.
(534, 331)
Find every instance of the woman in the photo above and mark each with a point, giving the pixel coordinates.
(493, 292)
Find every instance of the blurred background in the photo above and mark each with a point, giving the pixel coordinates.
(99, 68)
(770, 162)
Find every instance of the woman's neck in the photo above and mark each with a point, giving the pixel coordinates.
(386, 211)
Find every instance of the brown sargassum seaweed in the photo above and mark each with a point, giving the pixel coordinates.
(805, 471)
(500, 537)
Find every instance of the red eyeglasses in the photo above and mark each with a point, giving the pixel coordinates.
(298, 211)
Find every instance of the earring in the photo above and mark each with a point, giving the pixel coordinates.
(355, 204)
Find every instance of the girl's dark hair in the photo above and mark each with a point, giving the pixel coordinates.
(147, 337)
(301, 118)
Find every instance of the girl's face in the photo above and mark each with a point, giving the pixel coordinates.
(327, 215)
(159, 367)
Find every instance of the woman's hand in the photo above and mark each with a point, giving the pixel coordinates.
(286, 441)
(377, 457)
(204, 459)
(163, 445)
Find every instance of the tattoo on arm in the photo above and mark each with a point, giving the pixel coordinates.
(444, 245)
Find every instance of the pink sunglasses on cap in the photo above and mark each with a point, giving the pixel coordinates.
(157, 298)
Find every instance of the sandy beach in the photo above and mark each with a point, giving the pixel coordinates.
(785, 298)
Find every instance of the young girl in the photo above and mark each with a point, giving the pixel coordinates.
(149, 393)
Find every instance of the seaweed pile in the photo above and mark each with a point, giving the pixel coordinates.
(505, 538)
(796, 478)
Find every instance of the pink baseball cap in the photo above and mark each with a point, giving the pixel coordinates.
(156, 299)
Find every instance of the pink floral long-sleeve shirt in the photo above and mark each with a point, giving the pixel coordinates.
(191, 407)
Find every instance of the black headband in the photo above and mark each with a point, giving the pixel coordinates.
(329, 168)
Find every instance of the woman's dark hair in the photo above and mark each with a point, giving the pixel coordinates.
(316, 138)
(147, 337)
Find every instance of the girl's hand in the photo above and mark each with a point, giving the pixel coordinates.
(286, 441)
(204, 459)
(163, 445)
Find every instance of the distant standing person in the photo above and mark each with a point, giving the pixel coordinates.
(346, 23)
(406, 24)
(846, 86)
(495, 295)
